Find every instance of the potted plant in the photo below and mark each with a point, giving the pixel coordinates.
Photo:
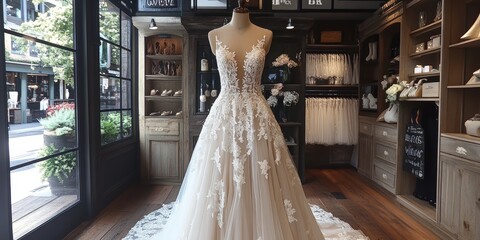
(280, 101)
(59, 135)
(59, 171)
(281, 70)
(59, 126)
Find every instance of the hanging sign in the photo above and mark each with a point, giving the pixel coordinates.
(160, 3)
(316, 4)
(284, 4)
(414, 154)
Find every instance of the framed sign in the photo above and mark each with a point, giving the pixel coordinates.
(414, 153)
(160, 3)
(284, 4)
(330, 36)
(316, 4)
(357, 4)
(210, 4)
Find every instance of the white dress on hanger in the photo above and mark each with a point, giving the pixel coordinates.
(241, 183)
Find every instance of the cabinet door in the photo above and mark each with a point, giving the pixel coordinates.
(163, 159)
(469, 204)
(365, 146)
(450, 194)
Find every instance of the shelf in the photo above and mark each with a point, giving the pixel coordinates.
(419, 99)
(471, 86)
(168, 117)
(207, 72)
(418, 206)
(330, 47)
(368, 110)
(462, 137)
(162, 78)
(414, 3)
(330, 86)
(419, 75)
(165, 57)
(292, 144)
(149, 98)
(428, 28)
(425, 53)
(289, 124)
(285, 85)
(472, 43)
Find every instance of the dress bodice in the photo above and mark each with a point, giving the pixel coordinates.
(252, 66)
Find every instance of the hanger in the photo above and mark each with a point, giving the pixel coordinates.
(241, 7)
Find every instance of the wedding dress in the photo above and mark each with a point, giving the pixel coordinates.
(241, 183)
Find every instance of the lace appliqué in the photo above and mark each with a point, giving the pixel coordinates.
(264, 166)
(290, 211)
(216, 159)
(218, 199)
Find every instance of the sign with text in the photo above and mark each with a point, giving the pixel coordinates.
(316, 4)
(160, 3)
(414, 153)
(284, 4)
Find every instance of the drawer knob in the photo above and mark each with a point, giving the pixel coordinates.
(461, 150)
(384, 176)
(385, 133)
(385, 153)
(159, 129)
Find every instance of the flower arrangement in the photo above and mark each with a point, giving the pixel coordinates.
(60, 119)
(393, 87)
(283, 60)
(288, 98)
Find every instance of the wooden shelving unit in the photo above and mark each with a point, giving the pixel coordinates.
(426, 29)
(472, 86)
(422, 99)
(422, 75)
(425, 53)
(472, 43)
(162, 78)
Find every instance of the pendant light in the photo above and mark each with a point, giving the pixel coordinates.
(153, 25)
(289, 25)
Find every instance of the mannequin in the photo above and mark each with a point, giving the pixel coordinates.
(239, 35)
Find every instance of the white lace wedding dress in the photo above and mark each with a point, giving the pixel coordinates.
(241, 183)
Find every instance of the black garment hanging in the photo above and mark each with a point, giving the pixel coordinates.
(426, 188)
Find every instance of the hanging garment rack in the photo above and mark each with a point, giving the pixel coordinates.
(338, 91)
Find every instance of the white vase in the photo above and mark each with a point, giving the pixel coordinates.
(391, 115)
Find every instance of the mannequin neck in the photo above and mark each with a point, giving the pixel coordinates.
(240, 20)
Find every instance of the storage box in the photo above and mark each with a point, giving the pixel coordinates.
(430, 89)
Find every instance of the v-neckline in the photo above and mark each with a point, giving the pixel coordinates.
(235, 61)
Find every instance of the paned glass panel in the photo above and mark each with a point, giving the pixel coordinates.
(42, 190)
(51, 21)
(109, 59)
(126, 94)
(126, 31)
(126, 64)
(109, 21)
(109, 93)
(110, 126)
(127, 123)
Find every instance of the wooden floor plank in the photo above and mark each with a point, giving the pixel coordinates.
(366, 207)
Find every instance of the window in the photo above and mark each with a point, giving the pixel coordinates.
(115, 73)
(42, 116)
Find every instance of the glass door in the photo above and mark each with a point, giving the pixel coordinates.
(42, 115)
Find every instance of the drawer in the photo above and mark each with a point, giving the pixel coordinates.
(366, 128)
(384, 175)
(386, 133)
(460, 148)
(386, 153)
(167, 127)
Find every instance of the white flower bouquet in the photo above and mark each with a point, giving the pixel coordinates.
(283, 60)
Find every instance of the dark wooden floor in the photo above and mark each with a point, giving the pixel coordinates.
(342, 192)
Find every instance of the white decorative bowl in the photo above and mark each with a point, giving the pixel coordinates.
(473, 128)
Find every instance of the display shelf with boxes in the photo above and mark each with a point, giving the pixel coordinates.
(460, 121)
(162, 70)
